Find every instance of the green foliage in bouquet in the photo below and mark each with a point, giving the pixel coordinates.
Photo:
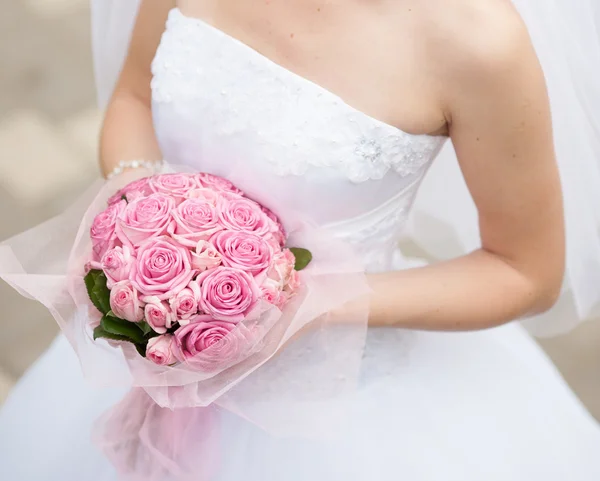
(303, 257)
(95, 283)
(111, 327)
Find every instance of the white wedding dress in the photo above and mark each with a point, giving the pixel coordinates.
(431, 406)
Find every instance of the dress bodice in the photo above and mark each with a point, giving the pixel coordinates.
(217, 102)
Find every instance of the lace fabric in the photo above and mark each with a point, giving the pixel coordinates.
(302, 125)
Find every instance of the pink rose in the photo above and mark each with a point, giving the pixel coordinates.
(163, 267)
(208, 344)
(140, 185)
(185, 304)
(102, 231)
(116, 264)
(274, 242)
(205, 257)
(227, 294)
(158, 314)
(279, 232)
(293, 284)
(243, 250)
(245, 215)
(116, 197)
(144, 218)
(272, 293)
(175, 185)
(160, 350)
(125, 302)
(88, 266)
(208, 195)
(133, 190)
(217, 183)
(282, 268)
(195, 220)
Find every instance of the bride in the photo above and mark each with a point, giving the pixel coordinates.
(346, 104)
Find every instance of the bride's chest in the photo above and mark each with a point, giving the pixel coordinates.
(371, 54)
(351, 51)
(220, 106)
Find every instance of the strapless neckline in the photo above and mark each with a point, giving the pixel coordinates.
(222, 107)
(296, 76)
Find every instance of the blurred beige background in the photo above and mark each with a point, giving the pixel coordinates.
(48, 139)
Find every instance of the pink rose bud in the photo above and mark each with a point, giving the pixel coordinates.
(158, 314)
(245, 215)
(243, 250)
(216, 183)
(102, 231)
(293, 284)
(116, 264)
(88, 266)
(207, 195)
(205, 257)
(272, 293)
(125, 302)
(175, 185)
(282, 267)
(207, 344)
(160, 350)
(195, 220)
(185, 304)
(227, 294)
(116, 197)
(162, 268)
(133, 190)
(144, 218)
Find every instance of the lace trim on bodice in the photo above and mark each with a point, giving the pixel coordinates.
(197, 62)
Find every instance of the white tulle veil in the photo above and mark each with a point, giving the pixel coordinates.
(566, 35)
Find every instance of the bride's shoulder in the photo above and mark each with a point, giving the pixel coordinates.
(470, 36)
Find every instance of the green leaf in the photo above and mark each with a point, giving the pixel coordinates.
(95, 283)
(100, 333)
(90, 283)
(102, 293)
(121, 327)
(90, 279)
(124, 197)
(303, 257)
(145, 327)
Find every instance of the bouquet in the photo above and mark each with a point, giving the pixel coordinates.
(183, 267)
(197, 296)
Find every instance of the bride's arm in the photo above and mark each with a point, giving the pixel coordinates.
(500, 125)
(127, 132)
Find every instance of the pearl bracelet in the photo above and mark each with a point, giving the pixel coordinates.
(133, 164)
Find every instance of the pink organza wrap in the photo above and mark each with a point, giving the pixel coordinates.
(294, 380)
